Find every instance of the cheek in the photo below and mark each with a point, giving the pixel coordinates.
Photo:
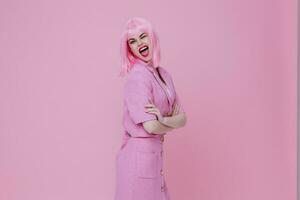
(150, 49)
(147, 41)
(133, 49)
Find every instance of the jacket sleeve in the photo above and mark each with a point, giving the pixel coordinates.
(138, 93)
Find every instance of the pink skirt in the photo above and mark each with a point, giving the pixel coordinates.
(139, 170)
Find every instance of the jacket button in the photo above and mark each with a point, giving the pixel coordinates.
(162, 188)
(161, 172)
(162, 138)
(161, 153)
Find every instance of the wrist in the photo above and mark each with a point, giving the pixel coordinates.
(162, 119)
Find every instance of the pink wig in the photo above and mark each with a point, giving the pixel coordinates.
(134, 25)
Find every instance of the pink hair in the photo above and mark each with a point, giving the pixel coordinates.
(127, 58)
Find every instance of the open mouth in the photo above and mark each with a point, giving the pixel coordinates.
(144, 50)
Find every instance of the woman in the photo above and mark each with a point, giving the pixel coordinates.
(151, 109)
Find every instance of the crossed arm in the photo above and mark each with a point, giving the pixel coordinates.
(166, 124)
(156, 127)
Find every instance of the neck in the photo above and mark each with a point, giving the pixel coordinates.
(149, 62)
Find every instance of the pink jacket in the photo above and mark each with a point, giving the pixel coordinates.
(142, 87)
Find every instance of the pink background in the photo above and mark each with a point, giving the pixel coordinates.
(234, 66)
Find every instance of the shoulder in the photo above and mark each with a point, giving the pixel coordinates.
(138, 68)
(137, 77)
(138, 72)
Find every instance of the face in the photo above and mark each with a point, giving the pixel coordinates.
(140, 45)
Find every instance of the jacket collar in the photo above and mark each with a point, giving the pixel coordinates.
(148, 66)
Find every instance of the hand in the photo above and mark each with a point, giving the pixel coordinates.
(175, 109)
(151, 108)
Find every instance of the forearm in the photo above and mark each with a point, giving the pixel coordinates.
(175, 121)
(155, 127)
(159, 128)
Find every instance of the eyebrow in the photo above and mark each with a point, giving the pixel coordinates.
(133, 38)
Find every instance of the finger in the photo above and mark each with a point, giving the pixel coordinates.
(173, 108)
(151, 109)
(153, 112)
(176, 109)
(149, 105)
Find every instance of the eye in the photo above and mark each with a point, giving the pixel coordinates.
(143, 36)
(132, 41)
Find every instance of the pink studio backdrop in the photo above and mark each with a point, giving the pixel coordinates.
(234, 66)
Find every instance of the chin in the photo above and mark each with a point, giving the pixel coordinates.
(146, 60)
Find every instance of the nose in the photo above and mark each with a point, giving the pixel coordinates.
(139, 42)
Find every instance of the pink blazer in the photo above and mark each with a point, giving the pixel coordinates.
(142, 87)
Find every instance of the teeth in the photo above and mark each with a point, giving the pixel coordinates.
(143, 48)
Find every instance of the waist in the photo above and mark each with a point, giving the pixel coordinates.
(155, 138)
(147, 144)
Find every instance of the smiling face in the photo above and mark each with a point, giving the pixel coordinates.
(140, 45)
